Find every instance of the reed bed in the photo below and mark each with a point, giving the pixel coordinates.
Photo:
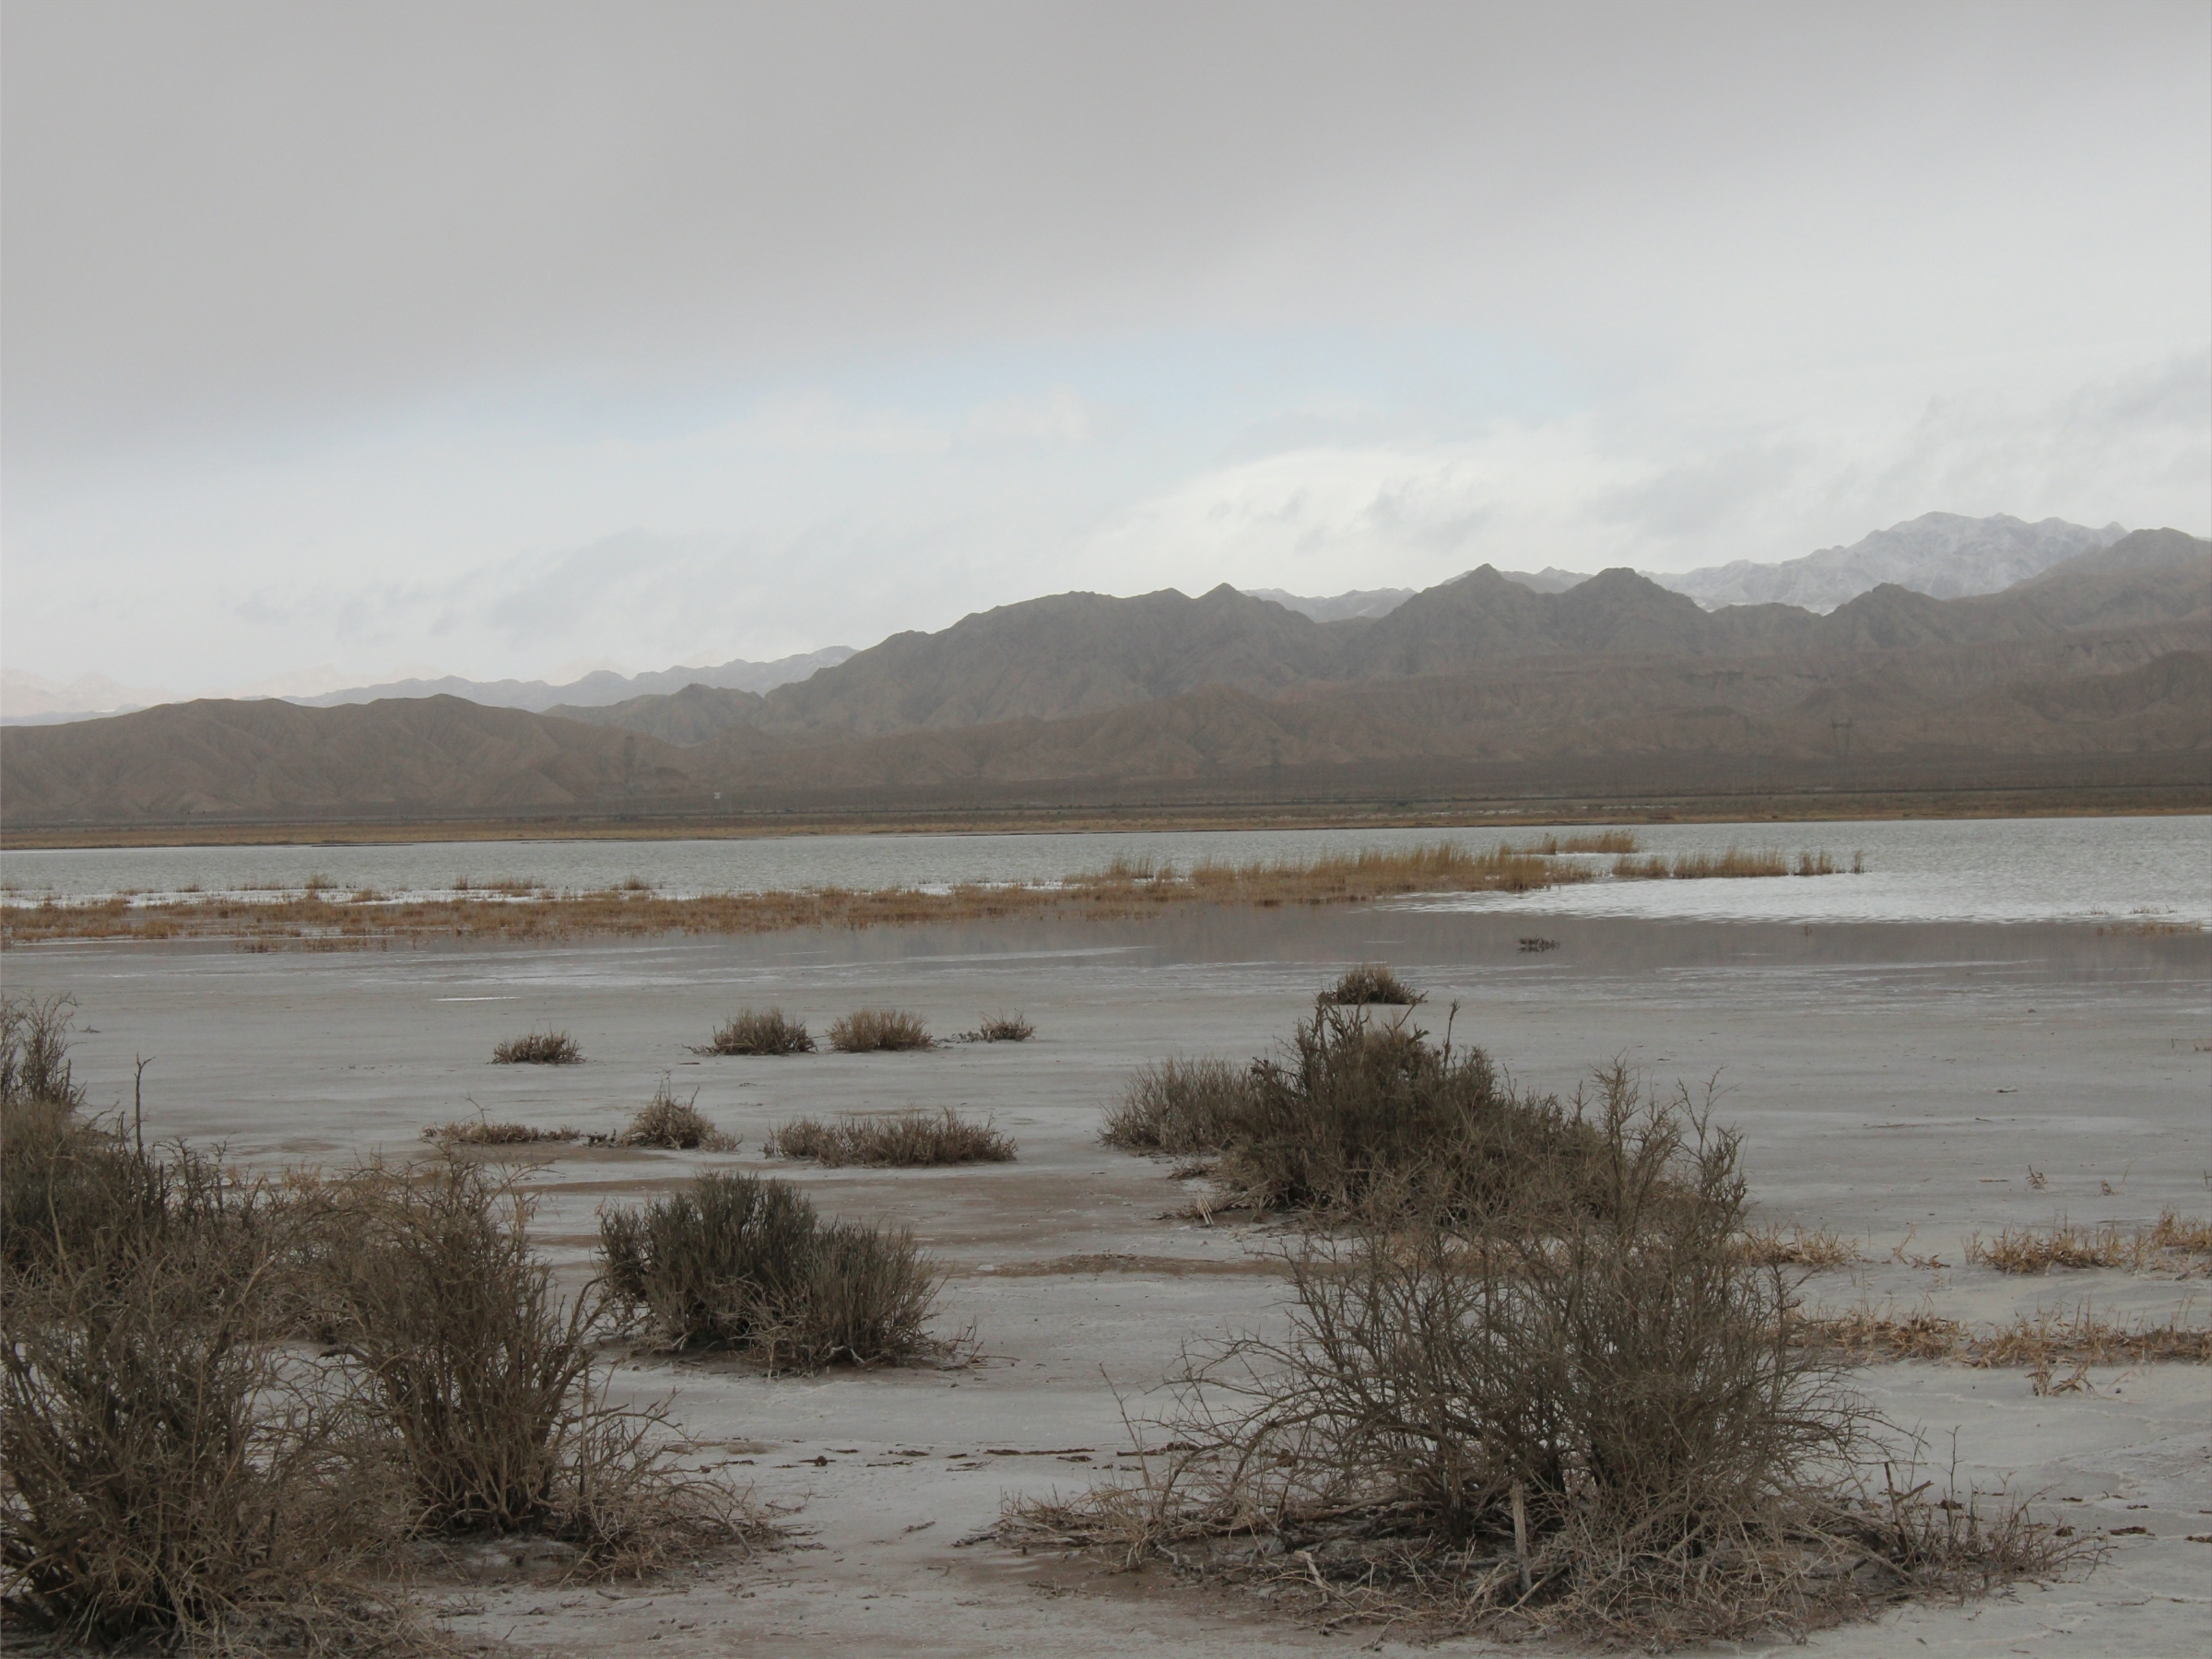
(1816, 1248)
(1734, 862)
(897, 1139)
(2174, 1243)
(1121, 891)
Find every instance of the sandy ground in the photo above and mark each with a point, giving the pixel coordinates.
(1898, 1083)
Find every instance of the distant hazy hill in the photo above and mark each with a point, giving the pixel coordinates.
(1075, 654)
(593, 691)
(2105, 655)
(1361, 602)
(1939, 553)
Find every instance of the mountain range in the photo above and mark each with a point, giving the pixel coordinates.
(2099, 662)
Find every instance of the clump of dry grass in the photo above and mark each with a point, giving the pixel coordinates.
(1574, 1421)
(1816, 1248)
(745, 1264)
(759, 1032)
(674, 1126)
(875, 1030)
(484, 1133)
(2174, 1243)
(1178, 1106)
(538, 1048)
(901, 1139)
(1001, 1028)
(2046, 1337)
(1370, 984)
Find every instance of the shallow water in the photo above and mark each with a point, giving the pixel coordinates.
(2125, 870)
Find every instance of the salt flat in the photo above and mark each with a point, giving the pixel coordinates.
(1895, 1082)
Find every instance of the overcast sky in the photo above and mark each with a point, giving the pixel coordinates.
(502, 338)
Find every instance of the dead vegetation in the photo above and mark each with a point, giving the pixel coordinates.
(1123, 890)
(2044, 1339)
(1178, 1106)
(2174, 1243)
(745, 1263)
(897, 1139)
(538, 1048)
(1564, 1405)
(1000, 1028)
(763, 1032)
(878, 1030)
(484, 1133)
(1734, 862)
(181, 1472)
(674, 1126)
(1370, 984)
(1816, 1248)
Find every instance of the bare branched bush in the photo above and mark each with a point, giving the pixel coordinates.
(477, 1376)
(1582, 1419)
(759, 1032)
(1178, 1106)
(870, 1030)
(1371, 982)
(167, 1475)
(34, 1052)
(538, 1048)
(743, 1263)
(903, 1139)
(675, 1125)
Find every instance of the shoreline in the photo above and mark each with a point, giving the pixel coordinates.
(1574, 812)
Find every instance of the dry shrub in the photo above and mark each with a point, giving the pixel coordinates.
(1798, 1247)
(743, 1263)
(675, 1126)
(2173, 1243)
(34, 1052)
(169, 1475)
(760, 1032)
(538, 1048)
(1359, 1109)
(906, 1139)
(871, 1031)
(1178, 1106)
(484, 1133)
(477, 1379)
(1001, 1028)
(1581, 1421)
(1371, 982)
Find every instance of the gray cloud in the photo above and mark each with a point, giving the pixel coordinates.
(528, 331)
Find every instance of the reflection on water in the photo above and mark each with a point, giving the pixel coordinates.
(2131, 871)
